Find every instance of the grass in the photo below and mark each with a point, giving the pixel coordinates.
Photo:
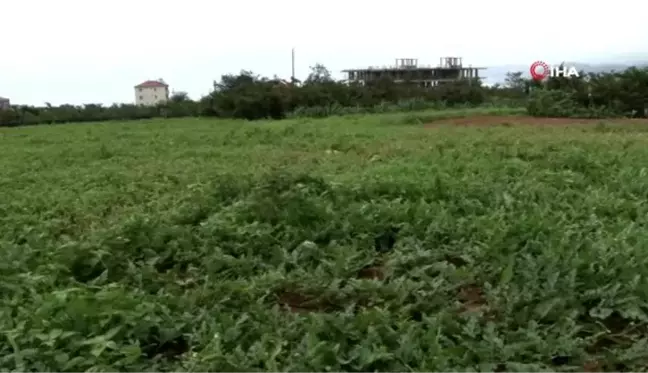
(427, 116)
(357, 244)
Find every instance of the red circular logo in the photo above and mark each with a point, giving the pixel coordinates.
(539, 70)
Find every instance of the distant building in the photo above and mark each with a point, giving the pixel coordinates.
(151, 92)
(5, 103)
(408, 70)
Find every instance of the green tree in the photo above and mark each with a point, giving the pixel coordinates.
(515, 81)
(318, 74)
(179, 96)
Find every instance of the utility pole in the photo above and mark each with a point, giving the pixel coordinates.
(293, 66)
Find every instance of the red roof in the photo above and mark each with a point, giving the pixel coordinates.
(152, 84)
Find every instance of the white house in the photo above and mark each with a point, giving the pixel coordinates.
(5, 103)
(151, 92)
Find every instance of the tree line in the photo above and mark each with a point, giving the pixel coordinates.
(250, 96)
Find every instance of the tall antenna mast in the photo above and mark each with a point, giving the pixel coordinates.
(293, 66)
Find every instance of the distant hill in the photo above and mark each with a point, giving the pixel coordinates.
(497, 74)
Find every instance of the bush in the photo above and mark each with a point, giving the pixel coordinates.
(249, 96)
(602, 95)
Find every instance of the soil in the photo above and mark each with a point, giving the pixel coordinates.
(472, 298)
(372, 273)
(298, 302)
(490, 120)
(301, 303)
(593, 366)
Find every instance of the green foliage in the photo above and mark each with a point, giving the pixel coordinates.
(248, 96)
(564, 104)
(252, 97)
(204, 245)
(26, 115)
(602, 95)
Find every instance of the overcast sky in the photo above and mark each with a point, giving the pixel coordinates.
(89, 51)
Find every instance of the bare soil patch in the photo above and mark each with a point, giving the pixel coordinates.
(298, 302)
(490, 120)
(372, 273)
(472, 298)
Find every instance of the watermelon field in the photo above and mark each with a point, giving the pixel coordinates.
(396, 242)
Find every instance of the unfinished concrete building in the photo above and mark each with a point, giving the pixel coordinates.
(408, 70)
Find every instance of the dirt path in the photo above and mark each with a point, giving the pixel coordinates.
(527, 120)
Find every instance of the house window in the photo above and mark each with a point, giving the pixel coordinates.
(139, 89)
(141, 97)
(154, 89)
(156, 97)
